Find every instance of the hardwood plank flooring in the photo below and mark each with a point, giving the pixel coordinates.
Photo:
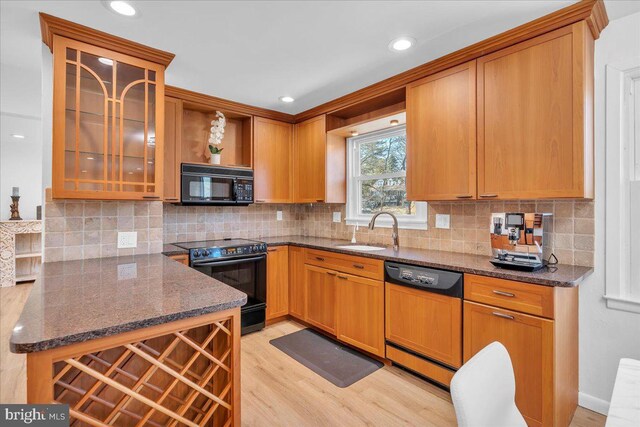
(276, 390)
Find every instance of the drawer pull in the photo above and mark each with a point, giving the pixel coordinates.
(504, 316)
(360, 266)
(150, 197)
(331, 273)
(488, 195)
(464, 196)
(319, 258)
(272, 249)
(260, 201)
(504, 294)
(342, 277)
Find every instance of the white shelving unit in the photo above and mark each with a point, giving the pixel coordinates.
(20, 251)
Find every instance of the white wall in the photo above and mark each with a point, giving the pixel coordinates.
(606, 335)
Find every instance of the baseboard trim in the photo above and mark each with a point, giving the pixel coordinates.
(593, 403)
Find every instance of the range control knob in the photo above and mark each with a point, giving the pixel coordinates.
(206, 252)
(196, 253)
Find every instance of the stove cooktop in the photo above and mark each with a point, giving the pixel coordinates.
(222, 243)
(206, 250)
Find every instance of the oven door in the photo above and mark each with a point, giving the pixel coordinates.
(249, 275)
(208, 189)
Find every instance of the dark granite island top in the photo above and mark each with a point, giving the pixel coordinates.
(75, 301)
(560, 275)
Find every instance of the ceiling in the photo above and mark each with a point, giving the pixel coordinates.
(256, 51)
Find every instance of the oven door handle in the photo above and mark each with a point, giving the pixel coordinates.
(228, 262)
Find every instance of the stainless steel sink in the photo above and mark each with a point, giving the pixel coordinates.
(361, 248)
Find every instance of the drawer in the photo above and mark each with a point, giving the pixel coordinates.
(421, 366)
(359, 266)
(524, 297)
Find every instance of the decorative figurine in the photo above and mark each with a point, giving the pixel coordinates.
(15, 213)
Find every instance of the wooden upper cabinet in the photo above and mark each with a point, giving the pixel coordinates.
(535, 118)
(272, 160)
(108, 123)
(172, 148)
(309, 161)
(441, 135)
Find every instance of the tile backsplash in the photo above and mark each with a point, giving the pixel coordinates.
(80, 229)
(77, 229)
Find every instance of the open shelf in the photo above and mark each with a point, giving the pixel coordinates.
(29, 255)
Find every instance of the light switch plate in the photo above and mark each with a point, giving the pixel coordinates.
(127, 239)
(278, 215)
(443, 220)
(337, 217)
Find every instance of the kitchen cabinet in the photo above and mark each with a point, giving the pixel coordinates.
(297, 290)
(272, 147)
(543, 351)
(320, 303)
(277, 282)
(319, 163)
(108, 123)
(535, 118)
(182, 258)
(360, 306)
(441, 135)
(172, 148)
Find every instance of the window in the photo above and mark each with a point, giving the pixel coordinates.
(623, 186)
(377, 164)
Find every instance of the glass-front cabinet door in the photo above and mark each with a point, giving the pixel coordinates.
(108, 123)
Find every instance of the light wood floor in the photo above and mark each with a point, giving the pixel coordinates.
(278, 391)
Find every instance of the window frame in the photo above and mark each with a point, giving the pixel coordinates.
(621, 291)
(354, 178)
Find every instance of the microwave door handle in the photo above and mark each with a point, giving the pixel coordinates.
(228, 262)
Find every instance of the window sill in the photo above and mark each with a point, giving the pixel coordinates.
(388, 223)
(623, 304)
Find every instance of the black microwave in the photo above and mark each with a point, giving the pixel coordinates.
(215, 185)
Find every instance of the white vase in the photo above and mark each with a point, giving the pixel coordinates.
(215, 159)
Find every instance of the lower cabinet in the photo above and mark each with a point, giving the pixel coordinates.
(182, 258)
(277, 281)
(361, 312)
(320, 304)
(297, 290)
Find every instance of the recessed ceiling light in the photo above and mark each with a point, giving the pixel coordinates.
(17, 136)
(106, 61)
(130, 173)
(83, 171)
(286, 99)
(90, 158)
(354, 133)
(122, 7)
(138, 169)
(401, 43)
(394, 122)
(150, 162)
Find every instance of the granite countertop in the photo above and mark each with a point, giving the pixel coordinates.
(562, 275)
(74, 301)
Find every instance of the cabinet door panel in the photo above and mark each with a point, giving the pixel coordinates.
(277, 282)
(108, 127)
(309, 161)
(534, 138)
(297, 290)
(529, 340)
(272, 160)
(321, 298)
(361, 312)
(441, 135)
(407, 310)
(172, 151)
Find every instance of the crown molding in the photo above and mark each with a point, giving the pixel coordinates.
(225, 104)
(51, 25)
(591, 11)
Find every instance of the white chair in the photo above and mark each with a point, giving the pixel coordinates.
(483, 390)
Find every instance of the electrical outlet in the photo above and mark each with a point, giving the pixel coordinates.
(127, 239)
(337, 217)
(128, 271)
(278, 215)
(442, 220)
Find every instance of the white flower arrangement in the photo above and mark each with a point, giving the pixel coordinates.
(217, 133)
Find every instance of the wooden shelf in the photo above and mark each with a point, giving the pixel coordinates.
(26, 278)
(29, 255)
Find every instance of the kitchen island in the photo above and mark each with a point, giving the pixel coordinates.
(133, 340)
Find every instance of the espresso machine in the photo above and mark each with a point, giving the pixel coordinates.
(521, 241)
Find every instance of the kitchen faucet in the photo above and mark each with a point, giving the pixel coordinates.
(394, 234)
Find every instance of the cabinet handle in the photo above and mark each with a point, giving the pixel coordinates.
(464, 196)
(504, 294)
(342, 277)
(319, 200)
(319, 258)
(150, 197)
(331, 273)
(488, 195)
(360, 266)
(260, 201)
(272, 249)
(504, 316)
(171, 199)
